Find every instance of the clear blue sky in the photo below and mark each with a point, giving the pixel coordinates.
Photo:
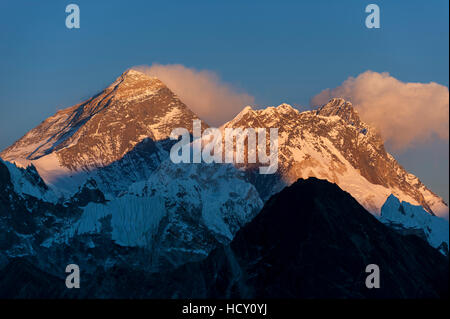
(277, 51)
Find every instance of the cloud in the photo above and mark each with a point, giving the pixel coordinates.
(202, 91)
(406, 114)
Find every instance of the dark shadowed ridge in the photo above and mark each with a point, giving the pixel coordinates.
(311, 240)
(314, 240)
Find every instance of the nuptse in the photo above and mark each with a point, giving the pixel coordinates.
(211, 141)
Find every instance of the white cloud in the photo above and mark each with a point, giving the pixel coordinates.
(202, 91)
(405, 113)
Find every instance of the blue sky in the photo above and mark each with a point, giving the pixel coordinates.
(277, 51)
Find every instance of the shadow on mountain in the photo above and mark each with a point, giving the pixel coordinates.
(311, 240)
(136, 165)
(143, 160)
(34, 283)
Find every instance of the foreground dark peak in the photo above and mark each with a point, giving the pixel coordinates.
(331, 239)
(313, 240)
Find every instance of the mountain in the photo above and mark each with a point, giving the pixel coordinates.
(27, 181)
(120, 136)
(311, 240)
(414, 219)
(178, 215)
(107, 160)
(124, 127)
(159, 224)
(332, 143)
(26, 220)
(94, 185)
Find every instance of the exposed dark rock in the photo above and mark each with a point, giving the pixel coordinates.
(312, 240)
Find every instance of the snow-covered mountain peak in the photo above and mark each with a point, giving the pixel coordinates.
(414, 219)
(285, 108)
(133, 75)
(332, 143)
(342, 108)
(248, 110)
(135, 85)
(101, 130)
(267, 117)
(27, 182)
(336, 103)
(281, 110)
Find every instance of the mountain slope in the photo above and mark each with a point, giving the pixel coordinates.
(332, 143)
(178, 215)
(26, 181)
(25, 220)
(313, 240)
(120, 178)
(410, 218)
(100, 131)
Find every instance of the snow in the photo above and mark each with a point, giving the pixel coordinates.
(218, 191)
(321, 164)
(24, 186)
(157, 128)
(63, 181)
(410, 216)
(134, 221)
(305, 151)
(179, 207)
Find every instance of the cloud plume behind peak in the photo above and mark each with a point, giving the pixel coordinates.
(202, 91)
(406, 114)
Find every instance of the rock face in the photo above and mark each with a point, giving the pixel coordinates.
(315, 234)
(332, 143)
(103, 129)
(26, 181)
(177, 216)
